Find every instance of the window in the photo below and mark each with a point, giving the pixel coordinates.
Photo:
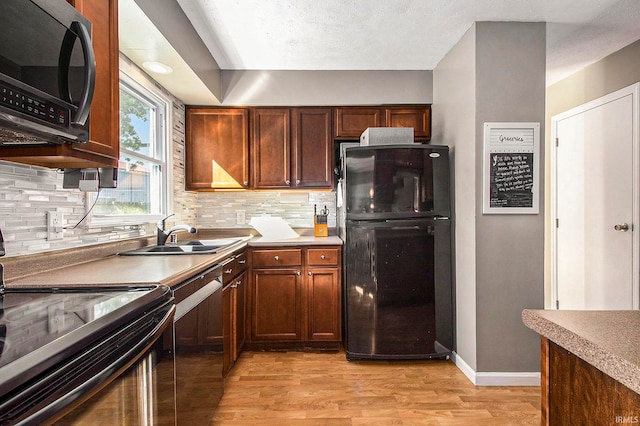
(142, 194)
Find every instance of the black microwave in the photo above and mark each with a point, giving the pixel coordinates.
(47, 73)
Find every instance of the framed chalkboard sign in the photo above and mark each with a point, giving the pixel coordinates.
(511, 182)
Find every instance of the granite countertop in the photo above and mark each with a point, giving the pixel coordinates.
(111, 270)
(608, 340)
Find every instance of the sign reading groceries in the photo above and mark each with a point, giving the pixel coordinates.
(510, 183)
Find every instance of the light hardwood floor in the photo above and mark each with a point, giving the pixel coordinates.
(302, 388)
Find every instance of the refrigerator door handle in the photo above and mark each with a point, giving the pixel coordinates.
(416, 194)
(405, 227)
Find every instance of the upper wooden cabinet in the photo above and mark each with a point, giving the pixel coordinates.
(217, 148)
(350, 122)
(417, 117)
(313, 154)
(271, 148)
(291, 148)
(103, 150)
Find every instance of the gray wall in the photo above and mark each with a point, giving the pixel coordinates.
(504, 252)
(454, 107)
(298, 88)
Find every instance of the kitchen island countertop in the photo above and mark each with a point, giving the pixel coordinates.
(608, 340)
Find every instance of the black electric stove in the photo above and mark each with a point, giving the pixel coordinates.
(54, 339)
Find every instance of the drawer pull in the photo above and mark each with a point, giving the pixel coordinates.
(276, 257)
(242, 262)
(228, 271)
(298, 273)
(322, 256)
(309, 273)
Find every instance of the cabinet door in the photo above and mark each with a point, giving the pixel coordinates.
(323, 304)
(104, 116)
(276, 302)
(350, 122)
(239, 314)
(312, 150)
(227, 329)
(270, 148)
(217, 148)
(417, 117)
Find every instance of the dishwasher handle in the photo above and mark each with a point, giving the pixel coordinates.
(197, 297)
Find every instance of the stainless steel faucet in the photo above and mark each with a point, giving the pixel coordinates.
(163, 235)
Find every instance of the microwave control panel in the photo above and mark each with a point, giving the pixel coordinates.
(33, 106)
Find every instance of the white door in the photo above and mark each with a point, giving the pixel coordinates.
(595, 202)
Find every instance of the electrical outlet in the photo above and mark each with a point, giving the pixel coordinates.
(241, 219)
(55, 228)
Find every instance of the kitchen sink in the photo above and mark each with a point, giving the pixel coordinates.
(188, 247)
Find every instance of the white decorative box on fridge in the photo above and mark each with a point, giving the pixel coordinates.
(386, 136)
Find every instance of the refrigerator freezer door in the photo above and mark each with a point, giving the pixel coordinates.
(398, 294)
(387, 182)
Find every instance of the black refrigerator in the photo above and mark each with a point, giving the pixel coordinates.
(394, 217)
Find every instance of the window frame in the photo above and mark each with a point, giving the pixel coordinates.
(135, 81)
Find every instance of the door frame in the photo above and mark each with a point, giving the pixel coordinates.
(634, 91)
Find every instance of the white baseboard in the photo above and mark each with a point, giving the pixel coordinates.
(496, 378)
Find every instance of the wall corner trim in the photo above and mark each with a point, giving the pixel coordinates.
(499, 378)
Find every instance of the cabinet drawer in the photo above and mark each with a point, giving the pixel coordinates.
(235, 267)
(229, 271)
(322, 256)
(267, 258)
(241, 262)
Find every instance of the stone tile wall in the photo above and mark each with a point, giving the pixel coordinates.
(218, 210)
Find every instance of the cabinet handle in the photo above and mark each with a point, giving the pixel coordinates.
(297, 181)
(228, 271)
(322, 257)
(242, 262)
(309, 273)
(276, 257)
(288, 182)
(238, 283)
(234, 285)
(246, 183)
(298, 273)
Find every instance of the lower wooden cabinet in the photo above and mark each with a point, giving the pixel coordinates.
(233, 309)
(276, 311)
(323, 307)
(575, 392)
(295, 295)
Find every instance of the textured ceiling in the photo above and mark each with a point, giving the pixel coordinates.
(399, 34)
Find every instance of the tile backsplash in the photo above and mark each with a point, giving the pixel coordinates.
(218, 210)
(27, 193)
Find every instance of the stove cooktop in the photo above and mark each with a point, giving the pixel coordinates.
(32, 319)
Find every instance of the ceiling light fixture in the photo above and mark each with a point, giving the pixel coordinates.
(157, 67)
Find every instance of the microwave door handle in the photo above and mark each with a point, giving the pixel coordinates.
(78, 29)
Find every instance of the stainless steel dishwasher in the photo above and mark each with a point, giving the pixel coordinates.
(199, 349)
